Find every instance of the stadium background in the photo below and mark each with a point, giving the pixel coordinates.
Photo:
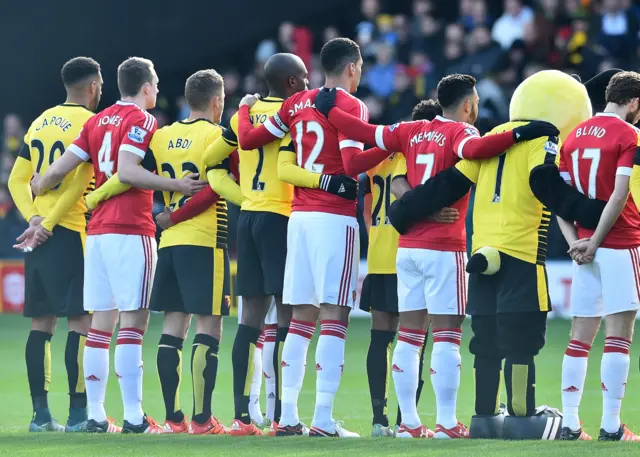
(408, 45)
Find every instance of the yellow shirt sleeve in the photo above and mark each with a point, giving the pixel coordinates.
(217, 151)
(223, 185)
(19, 187)
(634, 182)
(109, 189)
(290, 172)
(470, 168)
(69, 197)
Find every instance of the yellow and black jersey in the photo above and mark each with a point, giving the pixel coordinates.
(45, 141)
(178, 150)
(383, 238)
(261, 187)
(634, 183)
(506, 213)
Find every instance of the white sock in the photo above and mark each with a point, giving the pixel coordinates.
(268, 368)
(329, 365)
(95, 361)
(614, 371)
(404, 367)
(445, 374)
(255, 412)
(128, 365)
(574, 372)
(294, 360)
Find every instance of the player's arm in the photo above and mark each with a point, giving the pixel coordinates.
(400, 184)
(365, 186)
(19, 183)
(289, 172)
(77, 187)
(223, 184)
(223, 146)
(196, 205)
(553, 191)
(634, 183)
(272, 129)
(440, 191)
(68, 162)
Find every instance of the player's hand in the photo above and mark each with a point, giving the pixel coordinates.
(533, 130)
(31, 238)
(36, 184)
(342, 186)
(445, 216)
(35, 220)
(91, 200)
(190, 184)
(325, 100)
(582, 251)
(249, 100)
(164, 219)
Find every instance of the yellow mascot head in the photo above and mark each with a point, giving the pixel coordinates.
(554, 97)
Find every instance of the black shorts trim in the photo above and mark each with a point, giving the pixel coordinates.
(262, 253)
(54, 276)
(380, 293)
(518, 287)
(193, 280)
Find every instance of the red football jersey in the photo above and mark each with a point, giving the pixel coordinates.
(318, 146)
(121, 127)
(591, 157)
(429, 148)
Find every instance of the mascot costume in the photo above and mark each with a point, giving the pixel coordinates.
(508, 295)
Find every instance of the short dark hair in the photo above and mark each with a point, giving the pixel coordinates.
(78, 69)
(426, 110)
(201, 87)
(133, 73)
(337, 54)
(453, 88)
(623, 87)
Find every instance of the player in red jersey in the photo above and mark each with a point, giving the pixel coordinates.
(597, 158)
(120, 249)
(431, 256)
(322, 247)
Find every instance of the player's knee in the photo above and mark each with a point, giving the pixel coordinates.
(521, 334)
(209, 325)
(621, 324)
(381, 320)
(284, 312)
(415, 320)
(138, 319)
(44, 324)
(105, 321)
(254, 310)
(335, 313)
(446, 321)
(176, 324)
(79, 324)
(584, 329)
(483, 342)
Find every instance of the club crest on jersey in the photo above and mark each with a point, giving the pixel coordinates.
(137, 134)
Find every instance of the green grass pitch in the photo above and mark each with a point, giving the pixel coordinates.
(352, 405)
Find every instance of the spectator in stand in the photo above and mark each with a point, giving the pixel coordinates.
(403, 42)
(512, 67)
(453, 49)
(473, 13)
(403, 99)
(366, 29)
(329, 34)
(510, 26)
(423, 26)
(482, 54)
(380, 76)
(422, 72)
(618, 30)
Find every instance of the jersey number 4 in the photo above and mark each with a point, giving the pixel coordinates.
(592, 154)
(105, 164)
(315, 128)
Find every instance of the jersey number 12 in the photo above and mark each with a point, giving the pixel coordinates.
(315, 128)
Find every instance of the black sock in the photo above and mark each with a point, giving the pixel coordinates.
(242, 359)
(378, 373)
(204, 369)
(487, 370)
(420, 381)
(38, 358)
(169, 361)
(520, 381)
(277, 359)
(73, 355)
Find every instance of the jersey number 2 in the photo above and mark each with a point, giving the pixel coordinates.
(594, 155)
(315, 128)
(256, 184)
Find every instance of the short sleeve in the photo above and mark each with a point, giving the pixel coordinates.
(357, 108)
(278, 124)
(561, 161)
(396, 136)
(628, 152)
(139, 131)
(462, 135)
(80, 146)
(542, 150)
(470, 169)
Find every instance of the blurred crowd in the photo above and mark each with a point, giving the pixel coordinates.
(407, 47)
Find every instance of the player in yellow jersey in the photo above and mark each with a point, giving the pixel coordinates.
(54, 272)
(380, 287)
(192, 275)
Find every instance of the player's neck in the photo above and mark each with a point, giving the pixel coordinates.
(452, 115)
(339, 82)
(276, 94)
(71, 100)
(614, 108)
(138, 100)
(208, 115)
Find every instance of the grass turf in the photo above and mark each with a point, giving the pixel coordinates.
(352, 405)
